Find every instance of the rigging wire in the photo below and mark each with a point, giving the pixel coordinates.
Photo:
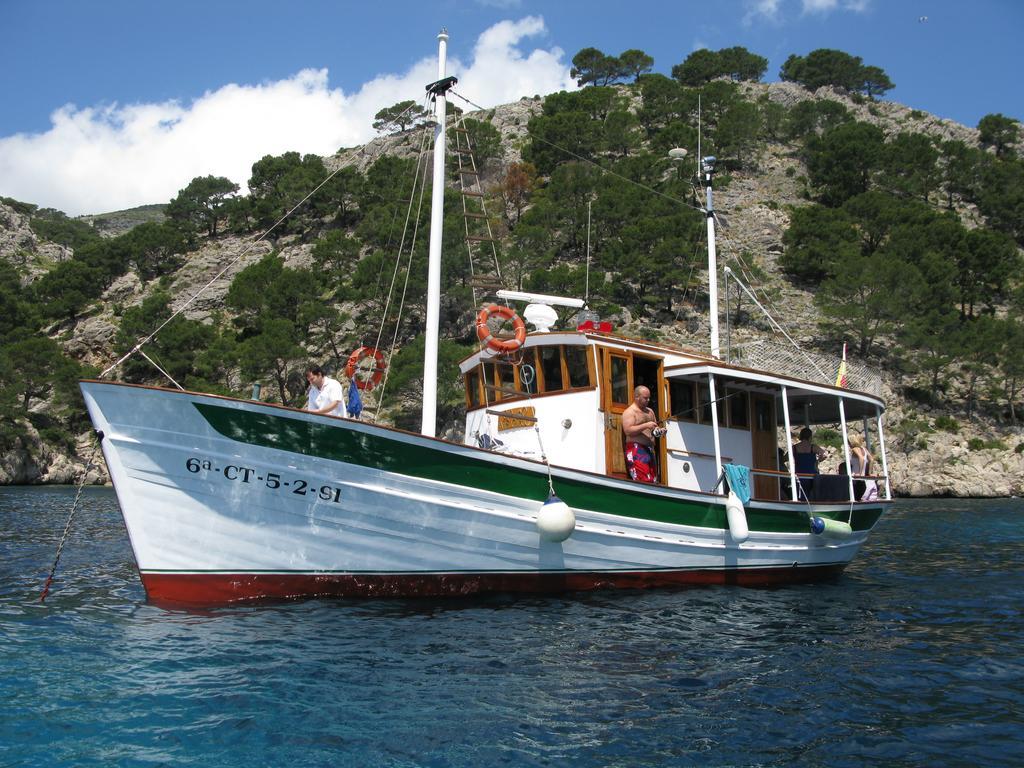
(421, 179)
(222, 272)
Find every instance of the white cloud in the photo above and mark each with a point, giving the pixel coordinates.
(761, 9)
(824, 7)
(504, 5)
(771, 10)
(104, 158)
(820, 6)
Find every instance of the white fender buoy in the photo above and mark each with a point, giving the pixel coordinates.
(737, 518)
(555, 521)
(833, 529)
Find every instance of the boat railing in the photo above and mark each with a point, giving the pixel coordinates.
(837, 484)
(801, 364)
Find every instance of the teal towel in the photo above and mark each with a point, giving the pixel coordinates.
(739, 480)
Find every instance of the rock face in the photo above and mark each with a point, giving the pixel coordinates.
(20, 246)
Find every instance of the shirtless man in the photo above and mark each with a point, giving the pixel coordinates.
(640, 426)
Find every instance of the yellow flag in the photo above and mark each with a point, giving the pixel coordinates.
(841, 378)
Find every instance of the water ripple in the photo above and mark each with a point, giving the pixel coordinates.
(911, 658)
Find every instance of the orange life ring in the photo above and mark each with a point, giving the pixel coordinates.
(378, 369)
(483, 332)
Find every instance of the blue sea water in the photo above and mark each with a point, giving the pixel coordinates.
(912, 658)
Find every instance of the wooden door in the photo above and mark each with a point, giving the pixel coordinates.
(765, 449)
(616, 397)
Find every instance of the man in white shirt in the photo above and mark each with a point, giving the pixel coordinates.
(329, 398)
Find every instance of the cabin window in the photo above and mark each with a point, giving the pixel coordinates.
(682, 403)
(620, 380)
(473, 398)
(528, 383)
(492, 383)
(576, 367)
(739, 409)
(704, 405)
(551, 367)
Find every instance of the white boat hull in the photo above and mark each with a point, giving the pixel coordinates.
(227, 500)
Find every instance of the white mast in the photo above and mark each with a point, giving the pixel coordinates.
(708, 168)
(429, 427)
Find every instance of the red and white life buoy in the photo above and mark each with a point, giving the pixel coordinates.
(376, 372)
(483, 332)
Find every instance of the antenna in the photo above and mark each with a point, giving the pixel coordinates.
(698, 135)
(586, 290)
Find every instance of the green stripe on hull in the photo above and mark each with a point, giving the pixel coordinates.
(383, 453)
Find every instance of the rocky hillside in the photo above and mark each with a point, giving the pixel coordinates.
(930, 452)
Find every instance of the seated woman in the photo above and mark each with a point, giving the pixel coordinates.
(806, 456)
(860, 460)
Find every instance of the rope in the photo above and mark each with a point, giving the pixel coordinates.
(772, 320)
(527, 380)
(165, 373)
(67, 526)
(408, 271)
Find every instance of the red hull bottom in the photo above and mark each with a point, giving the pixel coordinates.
(212, 589)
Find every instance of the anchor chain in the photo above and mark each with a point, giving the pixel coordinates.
(67, 526)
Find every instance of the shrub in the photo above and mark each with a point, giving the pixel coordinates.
(830, 437)
(977, 444)
(947, 424)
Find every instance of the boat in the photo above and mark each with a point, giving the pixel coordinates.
(227, 499)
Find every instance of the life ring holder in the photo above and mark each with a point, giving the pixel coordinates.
(483, 332)
(352, 367)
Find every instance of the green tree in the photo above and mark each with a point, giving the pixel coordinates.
(32, 366)
(859, 302)
(620, 132)
(818, 238)
(336, 255)
(635, 63)
(1011, 365)
(874, 82)
(268, 290)
(156, 249)
(959, 166)
(736, 135)
(174, 348)
(559, 138)
(57, 227)
(484, 140)
(827, 66)
(979, 355)
(18, 314)
(275, 354)
(736, 63)
(815, 116)
(911, 165)
(200, 205)
(665, 103)
(999, 132)
(740, 64)
(279, 184)
(843, 161)
(65, 290)
(593, 67)
(405, 381)
(399, 117)
(999, 195)
(988, 263)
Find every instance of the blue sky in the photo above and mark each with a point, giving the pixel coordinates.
(114, 103)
